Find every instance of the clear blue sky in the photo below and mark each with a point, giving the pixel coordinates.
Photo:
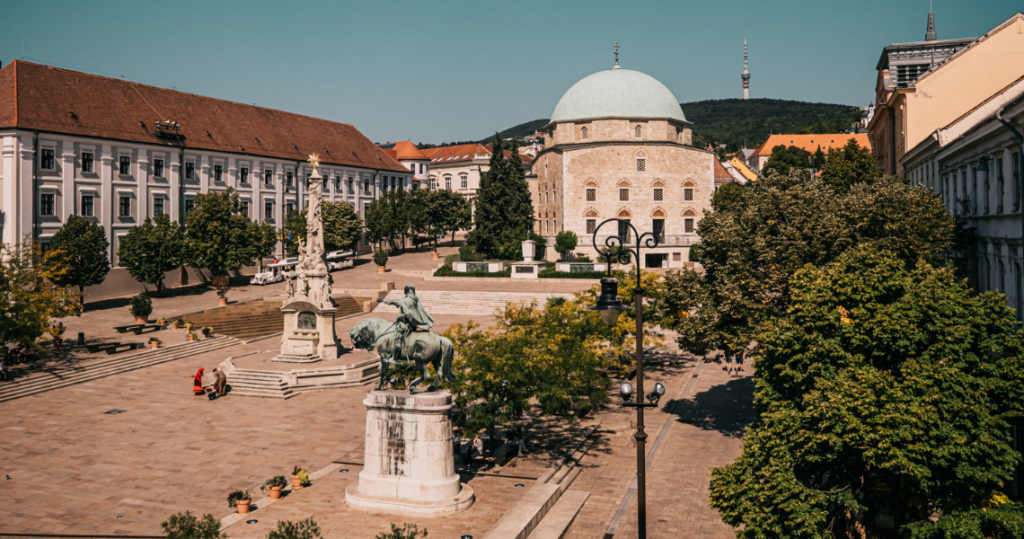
(439, 71)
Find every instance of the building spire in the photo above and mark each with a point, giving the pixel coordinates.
(616, 66)
(746, 73)
(930, 34)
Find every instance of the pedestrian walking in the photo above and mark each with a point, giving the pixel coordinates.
(728, 361)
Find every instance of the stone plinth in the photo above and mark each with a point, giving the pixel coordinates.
(308, 334)
(409, 465)
(527, 270)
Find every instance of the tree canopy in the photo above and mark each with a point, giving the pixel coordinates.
(447, 212)
(386, 218)
(786, 158)
(220, 237)
(29, 297)
(849, 165)
(83, 245)
(504, 206)
(342, 227)
(151, 249)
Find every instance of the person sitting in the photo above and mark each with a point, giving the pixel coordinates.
(197, 383)
(477, 450)
(221, 385)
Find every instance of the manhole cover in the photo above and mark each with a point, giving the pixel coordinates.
(251, 521)
(519, 485)
(343, 470)
(114, 412)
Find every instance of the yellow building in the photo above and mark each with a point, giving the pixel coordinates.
(912, 111)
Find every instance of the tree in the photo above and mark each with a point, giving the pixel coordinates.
(294, 229)
(386, 219)
(786, 158)
(885, 394)
(152, 249)
(342, 227)
(565, 241)
(752, 245)
(818, 159)
(84, 246)
(849, 165)
(503, 201)
(303, 529)
(447, 211)
(185, 525)
(29, 297)
(220, 237)
(405, 531)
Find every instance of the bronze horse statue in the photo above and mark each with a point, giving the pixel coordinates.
(425, 347)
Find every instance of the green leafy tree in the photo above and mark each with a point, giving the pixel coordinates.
(293, 231)
(565, 241)
(786, 158)
(219, 236)
(342, 227)
(386, 219)
(503, 201)
(185, 525)
(999, 521)
(29, 299)
(152, 249)
(849, 165)
(752, 245)
(818, 159)
(447, 211)
(886, 393)
(405, 531)
(303, 529)
(84, 246)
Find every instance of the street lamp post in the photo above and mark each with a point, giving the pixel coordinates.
(610, 306)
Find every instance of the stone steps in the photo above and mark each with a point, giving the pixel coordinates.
(561, 515)
(102, 369)
(471, 303)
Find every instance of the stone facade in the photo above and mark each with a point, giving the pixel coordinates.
(640, 170)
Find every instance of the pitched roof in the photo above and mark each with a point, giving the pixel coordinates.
(743, 169)
(720, 172)
(404, 151)
(462, 152)
(812, 142)
(55, 100)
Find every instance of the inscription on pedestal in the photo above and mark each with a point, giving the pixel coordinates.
(306, 320)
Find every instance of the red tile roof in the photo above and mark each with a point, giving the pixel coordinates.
(462, 152)
(812, 142)
(403, 151)
(720, 172)
(50, 99)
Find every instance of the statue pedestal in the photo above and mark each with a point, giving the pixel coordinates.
(409, 465)
(308, 332)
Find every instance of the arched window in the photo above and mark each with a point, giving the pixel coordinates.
(639, 131)
(448, 183)
(583, 133)
(641, 161)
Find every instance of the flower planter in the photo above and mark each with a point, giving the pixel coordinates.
(141, 319)
(382, 269)
(222, 302)
(296, 482)
(155, 345)
(275, 492)
(435, 256)
(191, 338)
(243, 506)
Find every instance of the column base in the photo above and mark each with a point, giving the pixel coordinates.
(462, 501)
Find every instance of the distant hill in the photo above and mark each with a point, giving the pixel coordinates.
(739, 123)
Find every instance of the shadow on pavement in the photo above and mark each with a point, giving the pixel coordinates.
(727, 408)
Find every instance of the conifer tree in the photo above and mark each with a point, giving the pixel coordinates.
(503, 203)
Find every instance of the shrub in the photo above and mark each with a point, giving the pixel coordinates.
(583, 258)
(141, 305)
(276, 481)
(447, 271)
(221, 283)
(380, 257)
(185, 525)
(468, 254)
(565, 241)
(555, 301)
(407, 531)
(555, 274)
(303, 529)
(237, 496)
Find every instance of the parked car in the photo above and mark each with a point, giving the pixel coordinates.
(340, 259)
(274, 273)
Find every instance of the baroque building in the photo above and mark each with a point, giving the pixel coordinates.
(619, 146)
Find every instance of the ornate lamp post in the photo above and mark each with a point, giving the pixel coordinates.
(610, 306)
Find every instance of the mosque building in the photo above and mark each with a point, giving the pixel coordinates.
(619, 146)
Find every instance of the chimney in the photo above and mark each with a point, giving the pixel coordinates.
(930, 35)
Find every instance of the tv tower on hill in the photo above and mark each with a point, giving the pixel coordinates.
(746, 74)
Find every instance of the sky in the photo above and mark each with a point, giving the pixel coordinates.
(433, 71)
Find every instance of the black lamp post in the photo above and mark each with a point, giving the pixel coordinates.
(610, 306)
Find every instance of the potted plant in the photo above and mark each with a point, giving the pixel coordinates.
(141, 308)
(155, 343)
(57, 332)
(193, 336)
(300, 479)
(222, 283)
(241, 500)
(207, 331)
(380, 257)
(274, 485)
(178, 323)
(189, 326)
(162, 321)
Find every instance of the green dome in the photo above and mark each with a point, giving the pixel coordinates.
(618, 93)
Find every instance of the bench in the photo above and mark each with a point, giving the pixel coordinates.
(122, 348)
(93, 348)
(126, 329)
(147, 329)
(504, 453)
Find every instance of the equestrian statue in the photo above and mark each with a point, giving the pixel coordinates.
(407, 340)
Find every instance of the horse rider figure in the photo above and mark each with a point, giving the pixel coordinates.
(413, 318)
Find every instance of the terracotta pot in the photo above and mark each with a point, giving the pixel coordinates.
(275, 492)
(155, 345)
(191, 338)
(435, 256)
(296, 482)
(177, 325)
(243, 506)
(222, 302)
(141, 319)
(382, 269)
(57, 343)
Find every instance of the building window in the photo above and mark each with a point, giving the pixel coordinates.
(245, 208)
(158, 168)
(366, 208)
(124, 206)
(289, 208)
(688, 225)
(158, 206)
(87, 159)
(638, 131)
(218, 173)
(124, 162)
(554, 196)
(243, 174)
(583, 133)
(688, 194)
(1016, 181)
(659, 194)
(268, 178)
(46, 204)
(87, 206)
(591, 194)
(423, 168)
(366, 186)
(448, 183)
(350, 186)
(47, 162)
(1000, 185)
(591, 225)
(464, 180)
(288, 179)
(433, 184)
(337, 184)
(190, 171)
(641, 164)
(268, 210)
(624, 195)
(189, 204)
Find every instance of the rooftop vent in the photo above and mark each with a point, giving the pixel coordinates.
(168, 129)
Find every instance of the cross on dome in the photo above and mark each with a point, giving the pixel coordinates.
(616, 66)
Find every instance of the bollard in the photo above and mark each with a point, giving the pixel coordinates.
(81, 338)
